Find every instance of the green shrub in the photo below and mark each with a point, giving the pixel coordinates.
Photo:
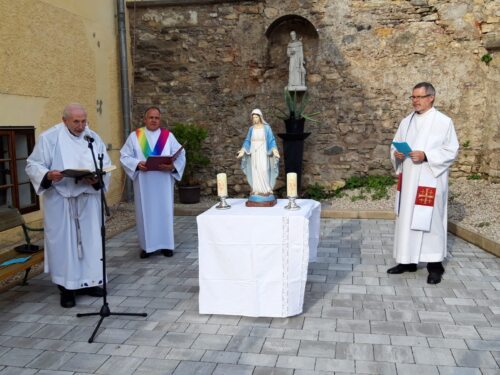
(474, 176)
(375, 186)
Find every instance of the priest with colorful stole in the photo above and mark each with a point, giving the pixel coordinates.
(422, 196)
(72, 209)
(153, 186)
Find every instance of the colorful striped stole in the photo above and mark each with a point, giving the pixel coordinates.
(144, 144)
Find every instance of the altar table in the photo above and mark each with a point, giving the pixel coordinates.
(253, 260)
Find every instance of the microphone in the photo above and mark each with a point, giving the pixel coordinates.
(88, 138)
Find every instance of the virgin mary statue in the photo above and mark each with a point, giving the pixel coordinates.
(260, 161)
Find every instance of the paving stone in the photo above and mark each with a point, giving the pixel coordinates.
(433, 356)
(408, 369)
(17, 371)
(245, 344)
(296, 362)
(395, 354)
(446, 370)
(296, 334)
(225, 369)
(371, 367)
(178, 339)
(126, 365)
(474, 358)
(50, 360)
(336, 365)
(316, 349)
(145, 337)
(366, 338)
(151, 352)
(465, 332)
(221, 357)
(83, 362)
(280, 346)
(272, 371)
(19, 357)
(253, 359)
(267, 332)
(447, 343)
(198, 368)
(358, 326)
(423, 329)
(211, 342)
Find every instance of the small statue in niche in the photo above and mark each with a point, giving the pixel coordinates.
(260, 161)
(297, 71)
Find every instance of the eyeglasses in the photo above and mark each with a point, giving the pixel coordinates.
(413, 97)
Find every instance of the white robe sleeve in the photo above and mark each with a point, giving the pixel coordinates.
(106, 161)
(40, 161)
(129, 158)
(441, 156)
(396, 163)
(180, 162)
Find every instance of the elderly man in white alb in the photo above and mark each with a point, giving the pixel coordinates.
(71, 211)
(422, 197)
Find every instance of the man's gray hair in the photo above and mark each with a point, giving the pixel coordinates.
(429, 89)
(70, 107)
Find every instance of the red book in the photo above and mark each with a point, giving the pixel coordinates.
(153, 162)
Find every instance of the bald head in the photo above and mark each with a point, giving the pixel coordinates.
(75, 118)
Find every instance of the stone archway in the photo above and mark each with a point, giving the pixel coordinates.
(278, 36)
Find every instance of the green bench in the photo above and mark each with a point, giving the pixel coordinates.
(10, 218)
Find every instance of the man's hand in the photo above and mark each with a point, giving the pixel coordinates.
(54, 176)
(142, 166)
(417, 156)
(276, 153)
(399, 155)
(166, 167)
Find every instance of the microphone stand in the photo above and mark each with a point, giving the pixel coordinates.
(105, 311)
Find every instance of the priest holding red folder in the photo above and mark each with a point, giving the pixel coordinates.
(153, 186)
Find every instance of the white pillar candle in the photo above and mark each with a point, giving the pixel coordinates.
(291, 184)
(222, 185)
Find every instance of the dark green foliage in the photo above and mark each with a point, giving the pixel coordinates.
(296, 106)
(486, 58)
(191, 137)
(375, 186)
(474, 176)
(466, 144)
(318, 192)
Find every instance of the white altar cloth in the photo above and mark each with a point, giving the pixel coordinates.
(253, 260)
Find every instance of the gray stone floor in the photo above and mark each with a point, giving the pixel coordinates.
(357, 318)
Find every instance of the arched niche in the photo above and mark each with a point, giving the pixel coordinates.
(278, 36)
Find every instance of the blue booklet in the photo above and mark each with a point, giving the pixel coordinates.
(402, 147)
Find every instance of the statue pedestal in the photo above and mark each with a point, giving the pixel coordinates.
(293, 150)
(296, 88)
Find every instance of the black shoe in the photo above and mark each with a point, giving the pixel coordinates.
(67, 297)
(143, 255)
(400, 268)
(93, 291)
(167, 252)
(434, 278)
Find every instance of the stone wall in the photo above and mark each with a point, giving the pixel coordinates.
(212, 62)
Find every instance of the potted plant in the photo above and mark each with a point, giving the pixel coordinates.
(295, 118)
(191, 137)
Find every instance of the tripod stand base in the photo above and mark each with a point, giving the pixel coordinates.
(104, 313)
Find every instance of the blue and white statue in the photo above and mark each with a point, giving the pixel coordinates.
(260, 161)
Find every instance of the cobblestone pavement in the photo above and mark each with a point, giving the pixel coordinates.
(357, 318)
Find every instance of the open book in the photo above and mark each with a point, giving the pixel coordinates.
(153, 162)
(83, 173)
